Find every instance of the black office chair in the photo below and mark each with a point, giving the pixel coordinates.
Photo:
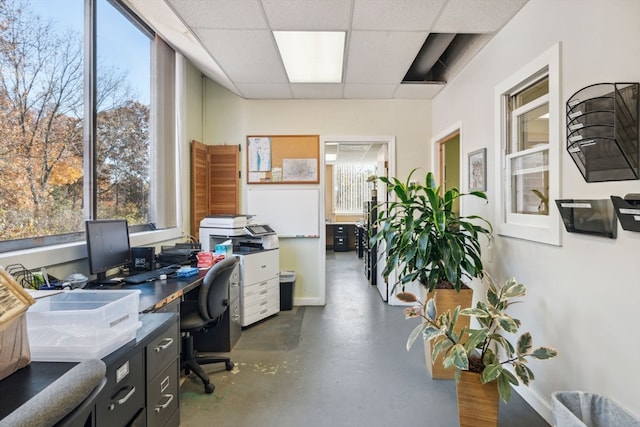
(203, 314)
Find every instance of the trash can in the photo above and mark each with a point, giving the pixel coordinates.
(580, 409)
(287, 282)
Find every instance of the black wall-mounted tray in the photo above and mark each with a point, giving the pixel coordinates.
(628, 211)
(596, 217)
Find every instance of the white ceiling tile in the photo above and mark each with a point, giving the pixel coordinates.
(395, 15)
(247, 56)
(317, 91)
(381, 57)
(308, 14)
(369, 91)
(264, 91)
(478, 16)
(418, 90)
(228, 14)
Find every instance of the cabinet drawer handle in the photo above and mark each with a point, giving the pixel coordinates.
(163, 405)
(123, 395)
(163, 345)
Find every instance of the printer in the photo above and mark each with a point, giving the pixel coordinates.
(240, 229)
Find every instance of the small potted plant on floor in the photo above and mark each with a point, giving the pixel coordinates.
(480, 356)
(427, 241)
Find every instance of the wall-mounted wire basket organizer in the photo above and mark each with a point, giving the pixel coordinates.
(602, 131)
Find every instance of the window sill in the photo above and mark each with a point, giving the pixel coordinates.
(70, 252)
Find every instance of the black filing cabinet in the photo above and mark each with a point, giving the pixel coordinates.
(340, 238)
(223, 337)
(163, 373)
(121, 402)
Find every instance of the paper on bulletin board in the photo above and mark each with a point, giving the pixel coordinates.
(259, 149)
(300, 170)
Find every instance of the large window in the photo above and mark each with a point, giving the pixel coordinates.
(351, 186)
(77, 120)
(529, 117)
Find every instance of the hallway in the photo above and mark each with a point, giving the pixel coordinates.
(344, 364)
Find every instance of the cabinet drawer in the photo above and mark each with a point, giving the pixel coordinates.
(259, 266)
(260, 291)
(162, 395)
(123, 395)
(260, 311)
(162, 350)
(340, 230)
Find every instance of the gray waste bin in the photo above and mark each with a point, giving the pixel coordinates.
(287, 283)
(579, 409)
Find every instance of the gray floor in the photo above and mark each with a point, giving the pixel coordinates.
(340, 365)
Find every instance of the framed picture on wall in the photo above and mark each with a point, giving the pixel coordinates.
(478, 170)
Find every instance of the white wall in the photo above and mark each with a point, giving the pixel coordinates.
(584, 296)
(229, 119)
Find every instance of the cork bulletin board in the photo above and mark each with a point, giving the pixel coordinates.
(283, 159)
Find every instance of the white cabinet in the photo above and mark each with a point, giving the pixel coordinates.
(259, 285)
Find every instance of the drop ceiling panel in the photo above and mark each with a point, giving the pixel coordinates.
(264, 91)
(395, 15)
(418, 91)
(228, 14)
(308, 15)
(478, 16)
(369, 91)
(249, 56)
(381, 57)
(317, 91)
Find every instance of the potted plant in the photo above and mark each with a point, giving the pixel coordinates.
(426, 241)
(480, 356)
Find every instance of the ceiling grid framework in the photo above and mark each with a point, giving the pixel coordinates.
(232, 42)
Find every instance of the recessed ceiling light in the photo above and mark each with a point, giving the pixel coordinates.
(312, 56)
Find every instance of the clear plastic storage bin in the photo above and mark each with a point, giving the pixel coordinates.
(82, 324)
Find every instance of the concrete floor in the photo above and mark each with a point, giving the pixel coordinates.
(343, 364)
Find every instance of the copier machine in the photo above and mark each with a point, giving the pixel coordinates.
(245, 235)
(256, 246)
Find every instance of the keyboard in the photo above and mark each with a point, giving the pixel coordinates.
(150, 275)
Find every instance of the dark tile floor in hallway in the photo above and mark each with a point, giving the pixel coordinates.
(343, 364)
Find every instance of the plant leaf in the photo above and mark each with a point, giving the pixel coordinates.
(431, 310)
(457, 357)
(491, 372)
(544, 353)
(504, 388)
(524, 343)
(415, 333)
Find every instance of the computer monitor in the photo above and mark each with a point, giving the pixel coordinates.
(107, 246)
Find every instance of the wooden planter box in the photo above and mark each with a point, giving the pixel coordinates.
(447, 299)
(477, 403)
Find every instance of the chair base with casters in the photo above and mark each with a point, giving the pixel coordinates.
(190, 361)
(203, 313)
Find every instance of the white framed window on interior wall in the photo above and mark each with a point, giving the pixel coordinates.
(528, 118)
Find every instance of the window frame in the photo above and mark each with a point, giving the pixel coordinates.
(538, 228)
(63, 248)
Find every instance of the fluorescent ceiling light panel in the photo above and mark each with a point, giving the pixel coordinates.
(312, 56)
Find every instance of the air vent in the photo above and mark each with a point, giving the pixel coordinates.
(439, 54)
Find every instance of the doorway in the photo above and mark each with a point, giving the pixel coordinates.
(449, 165)
(375, 155)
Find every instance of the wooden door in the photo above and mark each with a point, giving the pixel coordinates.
(214, 181)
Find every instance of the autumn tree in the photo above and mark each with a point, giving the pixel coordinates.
(41, 126)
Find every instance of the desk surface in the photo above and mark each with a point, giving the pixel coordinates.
(156, 294)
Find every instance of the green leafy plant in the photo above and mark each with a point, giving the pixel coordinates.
(485, 350)
(425, 239)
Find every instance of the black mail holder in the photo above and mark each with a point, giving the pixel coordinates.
(594, 217)
(602, 131)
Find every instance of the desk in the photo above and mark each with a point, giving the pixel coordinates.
(144, 369)
(25, 383)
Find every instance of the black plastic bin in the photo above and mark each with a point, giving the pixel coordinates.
(287, 283)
